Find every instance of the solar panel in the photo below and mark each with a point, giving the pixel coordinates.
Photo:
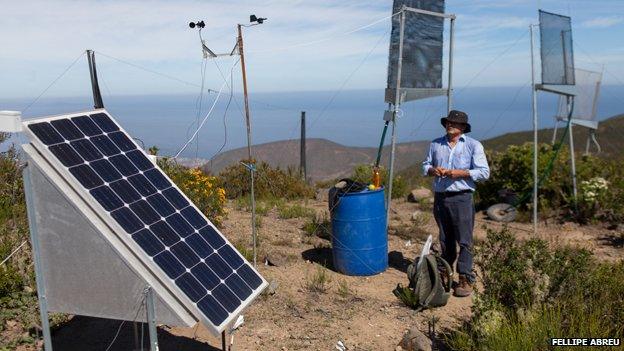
(171, 235)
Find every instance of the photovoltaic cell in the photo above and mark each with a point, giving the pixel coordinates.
(165, 233)
(152, 211)
(106, 146)
(146, 239)
(125, 191)
(86, 176)
(107, 198)
(106, 170)
(67, 129)
(161, 205)
(86, 149)
(174, 197)
(142, 185)
(86, 125)
(66, 154)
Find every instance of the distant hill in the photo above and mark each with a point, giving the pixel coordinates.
(325, 159)
(609, 136)
(330, 160)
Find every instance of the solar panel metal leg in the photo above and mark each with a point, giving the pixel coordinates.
(151, 318)
(34, 239)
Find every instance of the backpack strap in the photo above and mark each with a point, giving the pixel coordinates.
(437, 293)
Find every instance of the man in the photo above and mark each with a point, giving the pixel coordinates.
(457, 162)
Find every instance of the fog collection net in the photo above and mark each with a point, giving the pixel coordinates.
(556, 49)
(422, 45)
(586, 98)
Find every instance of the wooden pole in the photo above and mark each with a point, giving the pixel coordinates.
(251, 163)
(247, 118)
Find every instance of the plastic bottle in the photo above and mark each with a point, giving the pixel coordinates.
(376, 177)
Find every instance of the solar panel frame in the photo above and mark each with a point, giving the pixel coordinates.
(148, 262)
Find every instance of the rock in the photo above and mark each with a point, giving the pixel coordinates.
(419, 194)
(275, 258)
(415, 340)
(272, 288)
(417, 215)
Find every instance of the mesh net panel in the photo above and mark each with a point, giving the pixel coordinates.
(556, 49)
(422, 45)
(586, 98)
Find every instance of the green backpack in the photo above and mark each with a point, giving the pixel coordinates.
(428, 287)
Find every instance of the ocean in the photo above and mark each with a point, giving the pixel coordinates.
(352, 118)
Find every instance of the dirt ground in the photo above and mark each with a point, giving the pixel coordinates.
(360, 312)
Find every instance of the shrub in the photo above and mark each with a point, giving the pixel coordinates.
(344, 289)
(269, 182)
(513, 169)
(244, 250)
(17, 271)
(363, 173)
(532, 293)
(204, 190)
(295, 211)
(10, 281)
(318, 281)
(318, 226)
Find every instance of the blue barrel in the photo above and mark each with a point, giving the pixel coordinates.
(359, 239)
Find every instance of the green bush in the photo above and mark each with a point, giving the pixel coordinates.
(532, 293)
(513, 169)
(319, 226)
(17, 271)
(10, 280)
(269, 182)
(363, 173)
(295, 211)
(204, 190)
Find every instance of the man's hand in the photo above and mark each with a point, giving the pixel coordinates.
(437, 171)
(457, 173)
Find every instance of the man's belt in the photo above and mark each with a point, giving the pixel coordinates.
(453, 193)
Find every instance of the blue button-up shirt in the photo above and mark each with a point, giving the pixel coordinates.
(467, 154)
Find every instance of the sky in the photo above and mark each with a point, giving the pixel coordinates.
(303, 46)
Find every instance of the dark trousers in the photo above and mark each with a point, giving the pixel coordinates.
(454, 214)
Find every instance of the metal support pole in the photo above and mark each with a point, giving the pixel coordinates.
(397, 102)
(534, 110)
(572, 161)
(97, 96)
(253, 220)
(151, 318)
(252, 169)
(223, 343)
(248, 123)
(449, 93)
(39, 278)
(554, 138)
(302, 157)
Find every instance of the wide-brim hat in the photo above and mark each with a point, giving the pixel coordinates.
(457, 117)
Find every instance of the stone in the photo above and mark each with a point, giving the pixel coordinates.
(275, 258)
(417, 215)
(272, 288)
(415, 340)
(419, 194)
